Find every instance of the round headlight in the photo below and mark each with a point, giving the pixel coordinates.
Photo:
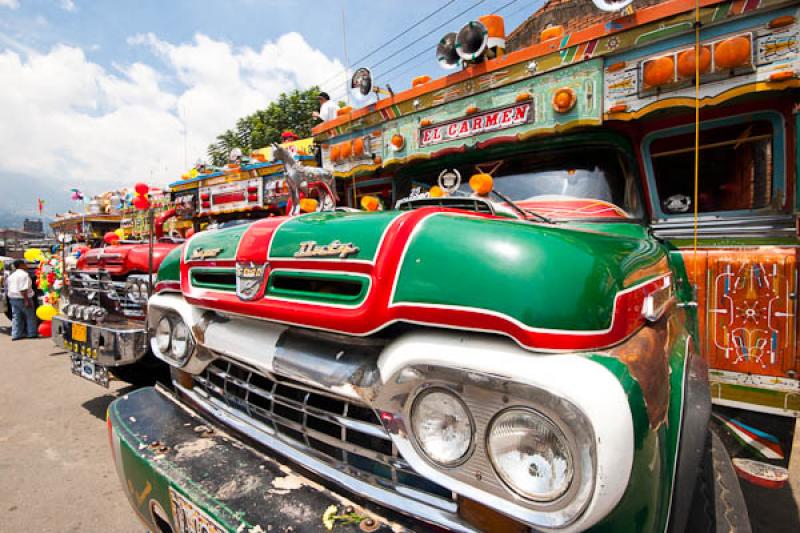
(530, 454)
(144, 290)
(180, 340)
(133, 290)
(442, 426)
(163, 334)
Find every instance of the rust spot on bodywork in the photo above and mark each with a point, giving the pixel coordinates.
(646, 355)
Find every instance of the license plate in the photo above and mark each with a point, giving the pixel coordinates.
(190, 519)
(79, 332)
(88, 369)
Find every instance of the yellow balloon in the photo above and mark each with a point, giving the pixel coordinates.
(46, 312)
(119, 232)
(32, 254)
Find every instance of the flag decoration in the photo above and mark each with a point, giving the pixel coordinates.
(77, 195)
(40, 204)
(760, 442)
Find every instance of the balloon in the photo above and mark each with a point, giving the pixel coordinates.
(120, 232)
(46, 312)
(110, 237)
(32, 254)
(46, 328)
(141, 188)
(141, 203)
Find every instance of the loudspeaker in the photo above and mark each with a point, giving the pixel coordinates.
(471, 41)
(446, 53)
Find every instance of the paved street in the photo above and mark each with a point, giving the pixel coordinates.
(55, 462)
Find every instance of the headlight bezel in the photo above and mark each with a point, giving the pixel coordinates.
(485, 395)
(168, 353)
(414, 403)
(503, 475)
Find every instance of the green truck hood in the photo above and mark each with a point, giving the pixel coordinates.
(539, 275)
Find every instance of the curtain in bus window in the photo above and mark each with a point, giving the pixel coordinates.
(735, 169)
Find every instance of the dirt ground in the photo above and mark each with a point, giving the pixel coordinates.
(55, 463)
(58, 475)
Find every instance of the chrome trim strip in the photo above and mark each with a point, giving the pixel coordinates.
(390, 499)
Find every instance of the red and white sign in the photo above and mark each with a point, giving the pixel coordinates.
(496, 119)
(230, 196)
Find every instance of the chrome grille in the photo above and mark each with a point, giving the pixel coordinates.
(89, 288)
(342, 433)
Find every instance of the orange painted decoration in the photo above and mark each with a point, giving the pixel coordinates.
(358, 147)
(780, 22)
(782, 76)
(420, 80)
(686, 62)
(746, 310)
(346, 149)
(659, 71)
(343, 111)
(553, 32)
(564, 99)
(733, 52)
(336, 152)
(522, 97)
(398, 141)
(471, 110)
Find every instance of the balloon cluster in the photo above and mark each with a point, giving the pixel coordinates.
(141, 200)
(50, 280)
(113, 237)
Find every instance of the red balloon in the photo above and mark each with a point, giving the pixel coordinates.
(110, 238)
(46, 329)
(141, 188)
(141, 203)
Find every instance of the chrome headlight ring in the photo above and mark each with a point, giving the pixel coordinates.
(486, 398)
(170, 338)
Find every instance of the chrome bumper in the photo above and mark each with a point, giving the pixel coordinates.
(108, 345)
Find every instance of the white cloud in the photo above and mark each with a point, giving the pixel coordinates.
(66, 5)
(75, 121)
(13, 4)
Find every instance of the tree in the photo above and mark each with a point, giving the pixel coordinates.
(291, 111)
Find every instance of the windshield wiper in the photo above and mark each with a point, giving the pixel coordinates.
(521, 211)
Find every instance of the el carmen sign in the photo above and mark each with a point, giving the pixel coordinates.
(496, 119)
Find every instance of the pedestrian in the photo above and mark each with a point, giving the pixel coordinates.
(327, 109)
(23, 303)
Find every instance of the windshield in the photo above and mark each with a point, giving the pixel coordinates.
(585, 183)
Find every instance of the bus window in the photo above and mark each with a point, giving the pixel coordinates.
(736, 169)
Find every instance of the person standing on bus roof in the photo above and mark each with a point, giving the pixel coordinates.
(327, 109)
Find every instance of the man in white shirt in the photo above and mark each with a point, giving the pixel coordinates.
(23, 303)
(327, 109)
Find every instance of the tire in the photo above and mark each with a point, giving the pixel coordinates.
(146, 371)
(718, 505)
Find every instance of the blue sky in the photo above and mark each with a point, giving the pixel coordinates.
(102, 92)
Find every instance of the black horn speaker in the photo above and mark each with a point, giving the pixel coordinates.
(471, 41)
(446, 53)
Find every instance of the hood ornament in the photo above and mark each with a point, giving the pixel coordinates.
(299, 176)
(335, 249)
(249, 279)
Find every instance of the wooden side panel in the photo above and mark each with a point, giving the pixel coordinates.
(747, 306)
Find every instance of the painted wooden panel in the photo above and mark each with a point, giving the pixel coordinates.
(747, 306)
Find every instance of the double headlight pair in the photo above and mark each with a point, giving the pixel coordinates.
(137, 289)
(527, 450)
(173, 339)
